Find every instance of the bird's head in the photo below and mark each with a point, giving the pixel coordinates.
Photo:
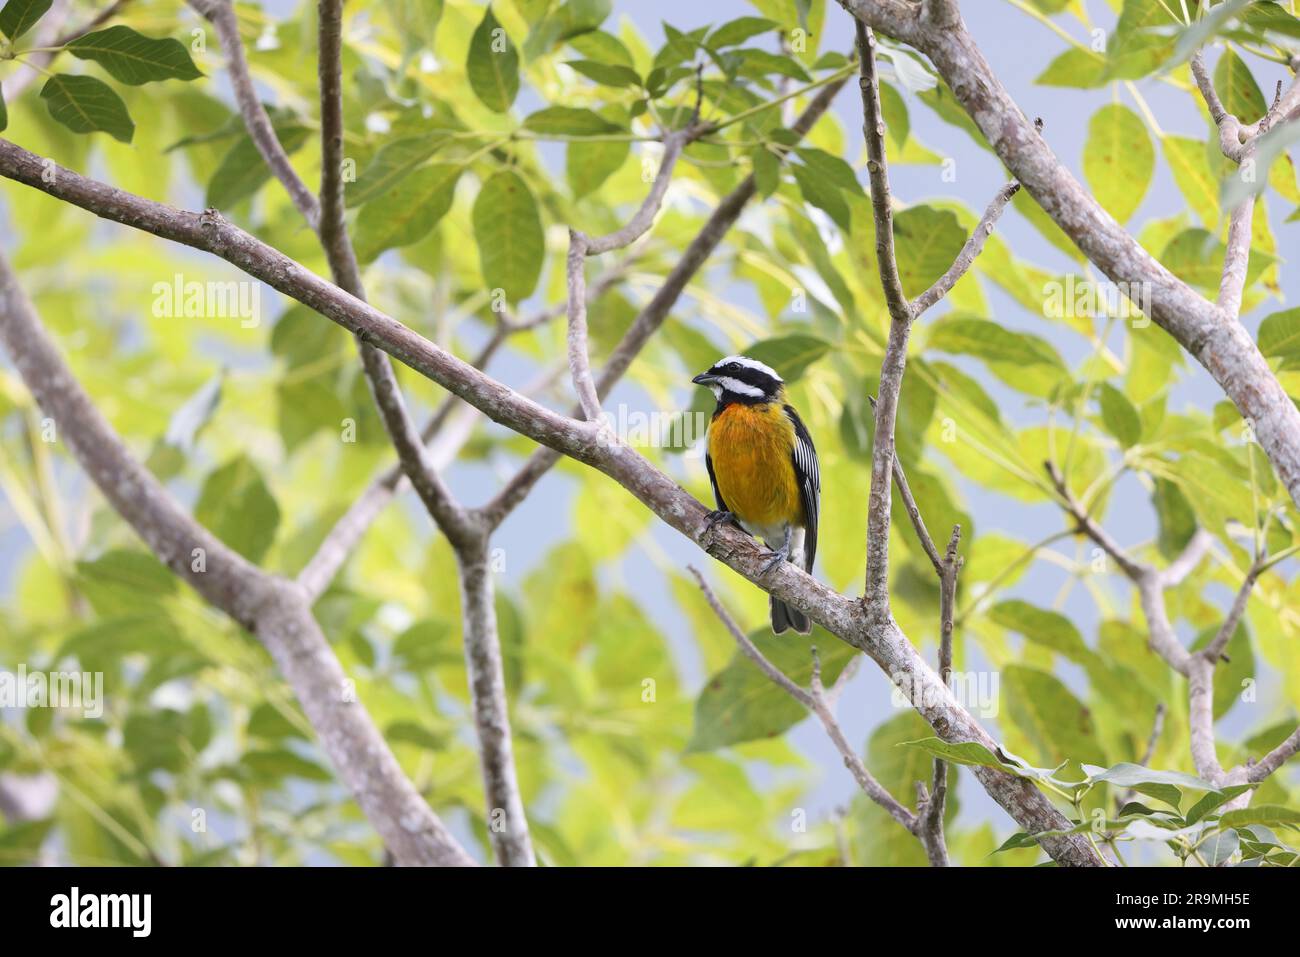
(742, 379)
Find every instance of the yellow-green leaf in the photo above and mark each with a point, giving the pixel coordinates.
(1118, 160)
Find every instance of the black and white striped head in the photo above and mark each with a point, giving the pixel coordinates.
(741, 379)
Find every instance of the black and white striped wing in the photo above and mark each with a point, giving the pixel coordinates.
(808, 475)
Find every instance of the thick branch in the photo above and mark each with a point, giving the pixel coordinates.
(1224, 348)
(877, 635)
(271, 608)
(654, 313)
(467, 534)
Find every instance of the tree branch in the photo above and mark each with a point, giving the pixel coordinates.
(269, 607)
(900, 325)
(466, 532)
(1274, 759)
(969, 252)
(815, 700)
(221, 13)
(1225, 349)
(507, 824)
(877, 635)
(581, 246)
(1197, 667)
(1214, 650)
(654, 313)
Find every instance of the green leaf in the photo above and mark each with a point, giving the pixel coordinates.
(20, 843)
(606, 74)
(1192, 174)
(739, 30)
(1214, 800)
(1166, 786)
(238, 508)
(927, 240)
(86, 105)
(1237, 88)
(1142, 41)
(756, 64)
(898, 122)
(242, 171)
(1047, 628)
(588, 164)
(1175, 517)
(826, 196)
(789, 355)
(133, 58)
(406, 213)
(992, 342)
(740, 703)
(1118, 160)
(1218, 847)
(830, 168)
(4, 111)
(679, 47)
(1076, 67)
(1118, 415)
(1279, 334)
(161, 739)
(970, 753)
(569, 121)
(767, 171)
(391, 164)
(876, 838)
(1048, 716)
(1129, 775)
(1269, 815)
(124, 582)
(508, 231)
(19, 16)
(273, 765)
(493, 65)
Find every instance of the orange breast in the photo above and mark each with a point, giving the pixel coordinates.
(751, 448)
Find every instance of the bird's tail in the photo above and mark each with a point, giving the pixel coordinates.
(785, 617)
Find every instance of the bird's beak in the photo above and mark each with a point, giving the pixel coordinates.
(704, 378)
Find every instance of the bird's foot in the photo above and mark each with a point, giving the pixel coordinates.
(778, 556)
(719, 517)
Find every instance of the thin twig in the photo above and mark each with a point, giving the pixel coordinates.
(900, 325)
(656, 311)
(815, 701)
(221, 13)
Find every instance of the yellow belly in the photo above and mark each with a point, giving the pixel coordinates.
(751, 447)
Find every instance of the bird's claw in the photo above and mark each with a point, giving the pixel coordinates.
(782, 554)
(719, 517)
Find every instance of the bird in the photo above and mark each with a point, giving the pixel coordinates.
(763, 468)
